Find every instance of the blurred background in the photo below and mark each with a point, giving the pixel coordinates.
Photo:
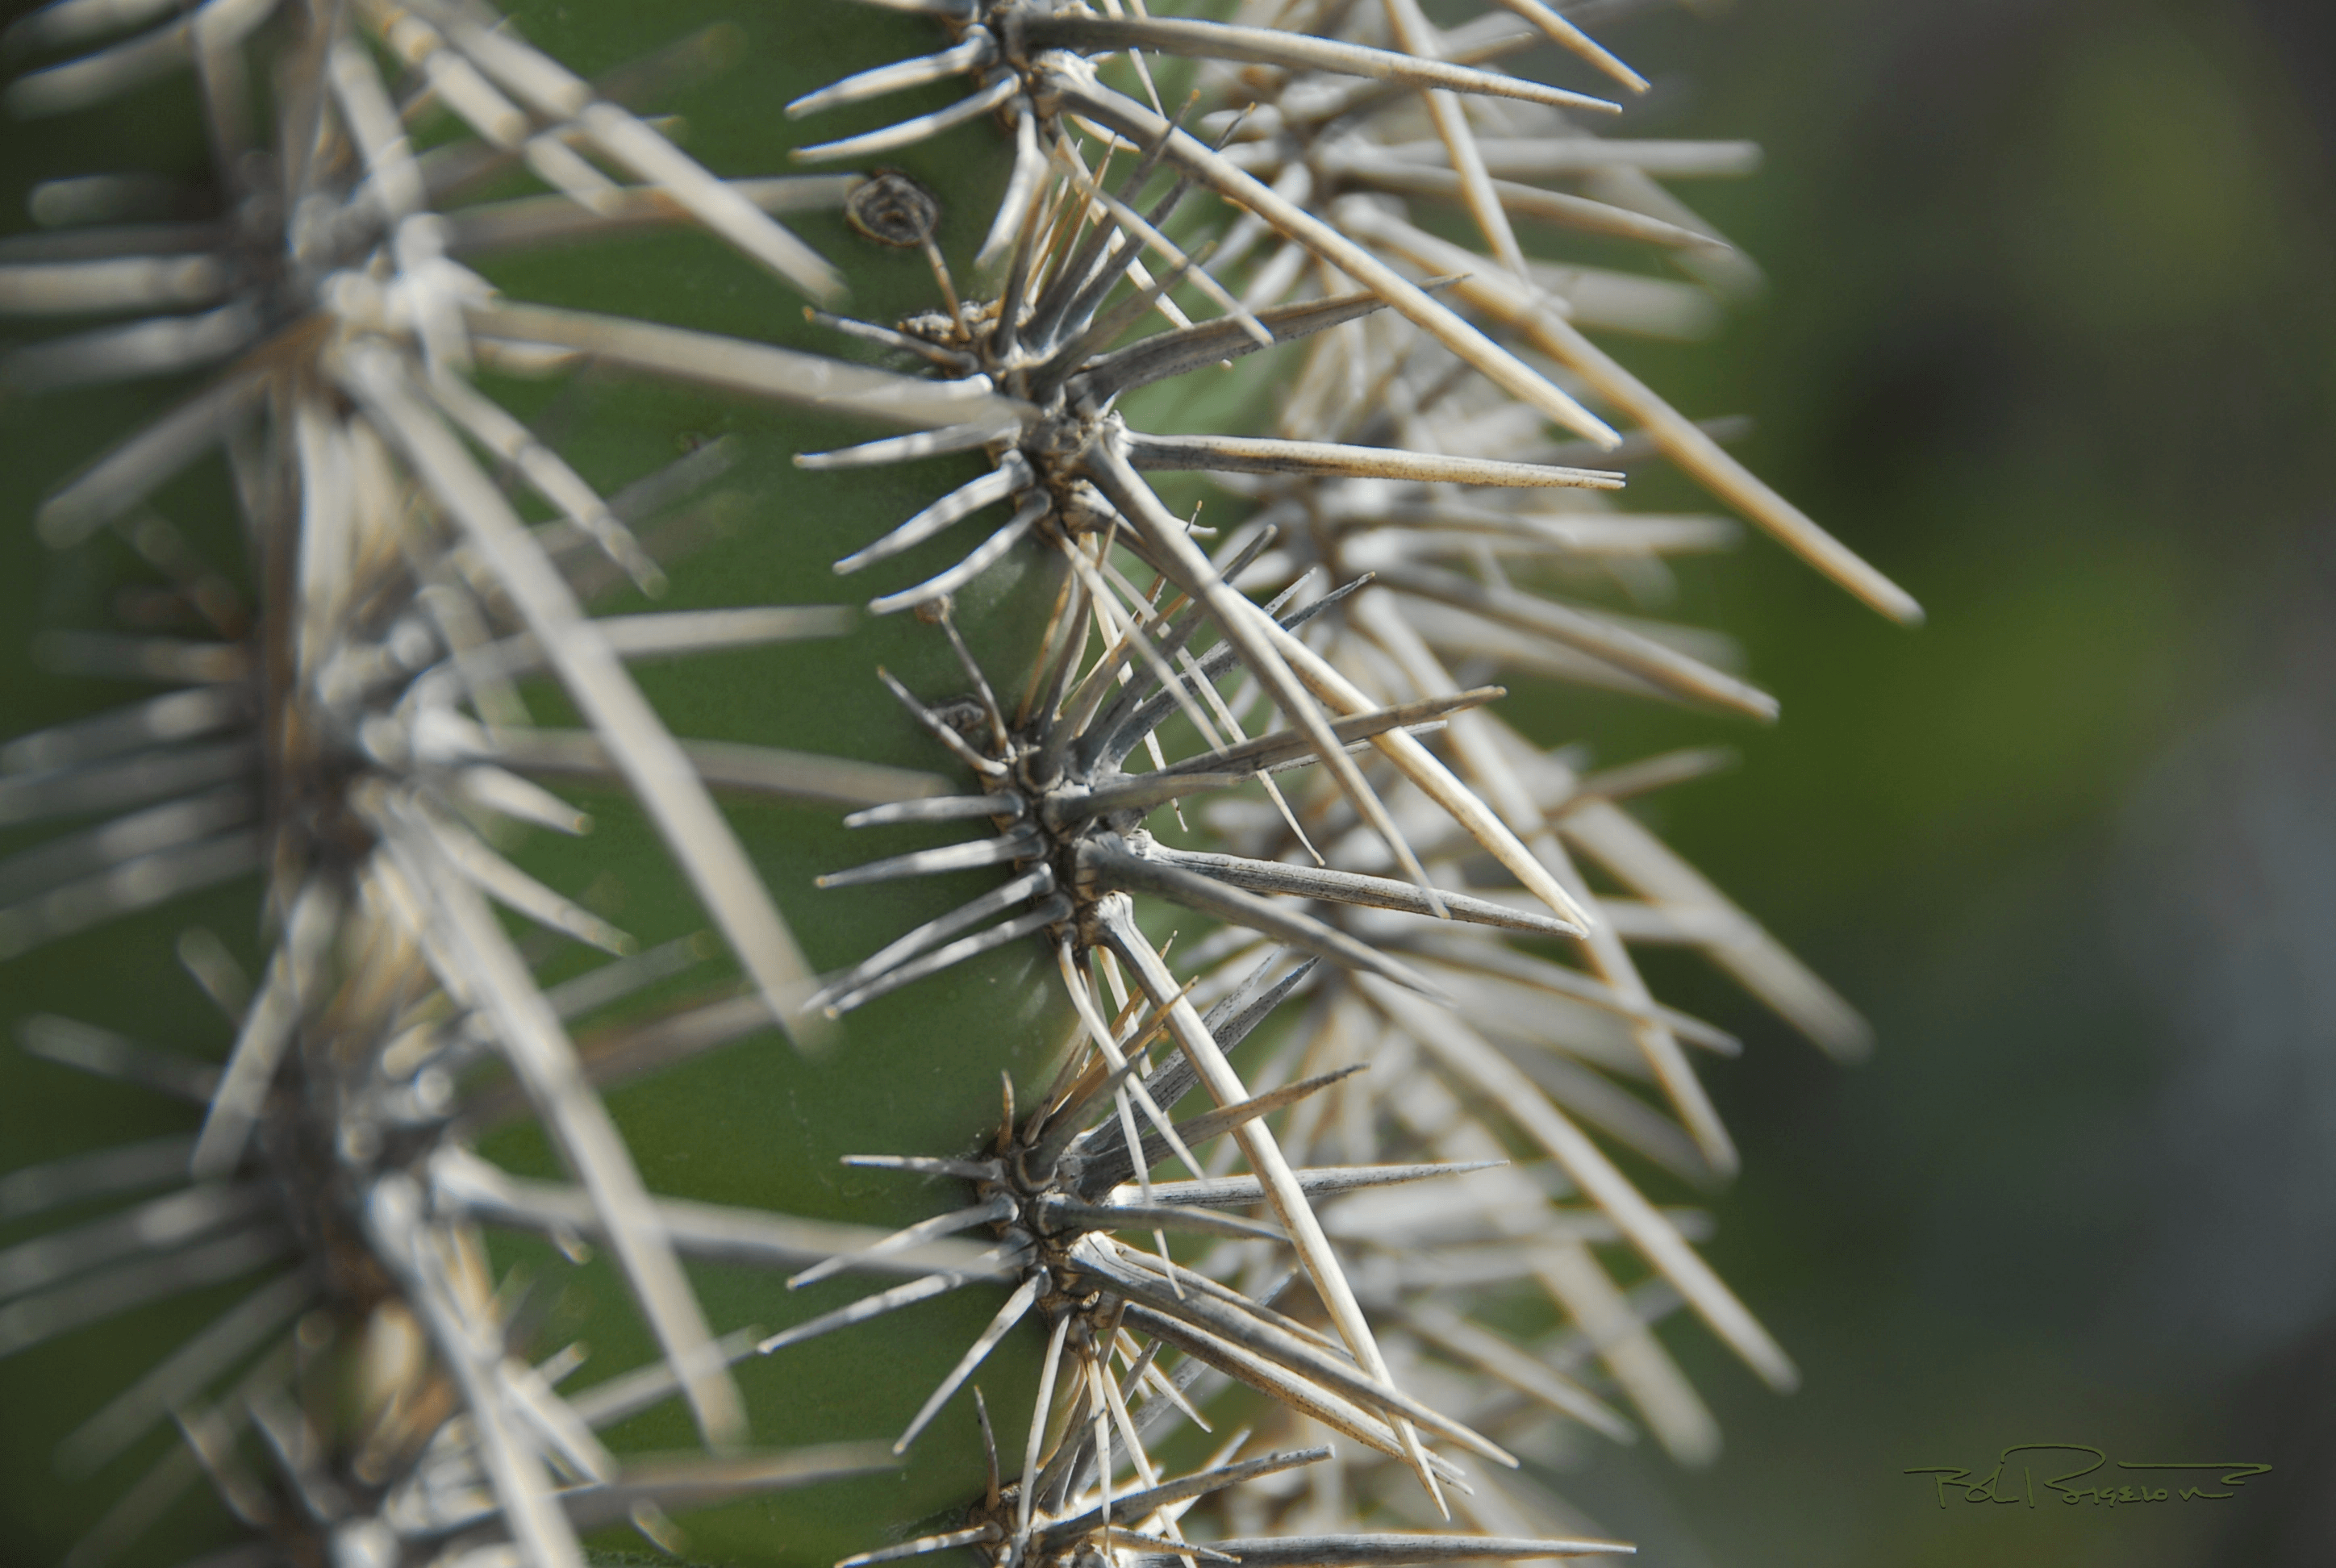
(2048, 334)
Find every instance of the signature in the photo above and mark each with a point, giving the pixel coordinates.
(2013, 1483)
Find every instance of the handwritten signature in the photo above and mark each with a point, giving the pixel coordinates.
(2010, 1485)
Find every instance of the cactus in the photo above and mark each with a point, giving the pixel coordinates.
(507, 487)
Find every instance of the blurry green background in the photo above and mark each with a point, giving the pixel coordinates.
(2050, 336)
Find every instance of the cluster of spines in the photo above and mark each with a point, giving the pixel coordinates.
(360, 362)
